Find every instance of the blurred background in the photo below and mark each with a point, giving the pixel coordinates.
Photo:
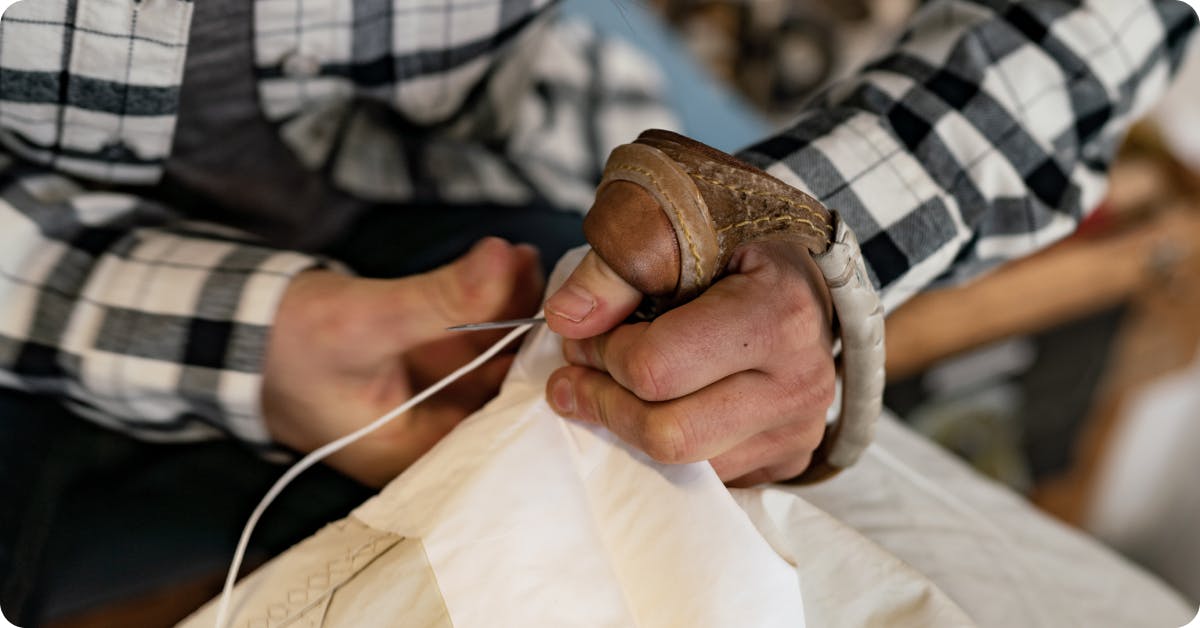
(1071, 376)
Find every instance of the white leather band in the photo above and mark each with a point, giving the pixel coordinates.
(860, 315)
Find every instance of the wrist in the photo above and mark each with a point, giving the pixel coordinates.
(296, 333)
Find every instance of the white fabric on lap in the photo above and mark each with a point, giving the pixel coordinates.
(521, 518)
(531, 519)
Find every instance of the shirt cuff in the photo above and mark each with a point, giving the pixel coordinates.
(175, 332)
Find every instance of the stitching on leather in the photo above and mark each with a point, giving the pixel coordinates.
(745, 223)
(752, 192)
(679, 217)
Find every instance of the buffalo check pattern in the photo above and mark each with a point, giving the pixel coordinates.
(137, 319)
(984, 134)
(981, 135)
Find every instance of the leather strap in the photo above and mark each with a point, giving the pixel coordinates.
(712, 204)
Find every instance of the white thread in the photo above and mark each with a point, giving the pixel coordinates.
(318, 454)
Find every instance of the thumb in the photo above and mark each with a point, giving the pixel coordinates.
(478, 286)
(593, 300)
(634, 251)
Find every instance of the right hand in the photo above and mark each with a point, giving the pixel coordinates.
(740, 376)
(345, 350)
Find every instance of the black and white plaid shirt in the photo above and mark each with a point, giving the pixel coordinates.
(983, 135)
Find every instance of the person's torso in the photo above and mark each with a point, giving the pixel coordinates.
(92, 86)
(285, 118)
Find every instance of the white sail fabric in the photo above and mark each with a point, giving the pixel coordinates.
(530, 519)
(521, 518)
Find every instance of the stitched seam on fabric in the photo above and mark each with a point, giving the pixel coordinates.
(682, 225)
(119, 139)
(304, 592)
(751, 192)
(815, 229)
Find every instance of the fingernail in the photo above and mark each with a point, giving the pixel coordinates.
(562, 397)
(571, 303)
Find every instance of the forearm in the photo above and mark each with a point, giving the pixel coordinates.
(138, 320)
(983, 135)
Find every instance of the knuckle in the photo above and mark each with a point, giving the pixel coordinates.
(822, 384)
(763, 336)
(755, 257)
(812, 398)
(773, 274)
(664, 438)
(789, 469)
(646, 372)
(805, 433)
(801, 322)
(788, 323)
(446, 298)
(457, 296)
(808, 392)
(827, 382)
(593, 401)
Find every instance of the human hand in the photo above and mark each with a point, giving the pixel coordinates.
(345, 350)
(741, 376)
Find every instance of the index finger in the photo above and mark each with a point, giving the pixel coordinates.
(593, 300)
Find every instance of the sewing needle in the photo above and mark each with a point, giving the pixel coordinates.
(516, 322)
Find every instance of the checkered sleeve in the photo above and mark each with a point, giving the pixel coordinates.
(984, 134)
(138, 320)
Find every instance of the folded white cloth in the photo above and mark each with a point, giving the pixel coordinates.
(521, 518)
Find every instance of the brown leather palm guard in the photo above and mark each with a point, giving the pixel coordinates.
(670, 212)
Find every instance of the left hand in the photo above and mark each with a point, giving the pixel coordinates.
(741, 376)
(344, 350)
